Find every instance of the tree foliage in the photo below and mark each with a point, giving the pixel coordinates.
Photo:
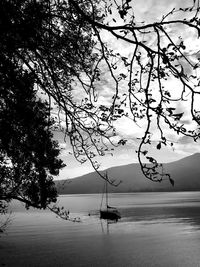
(44, 46)
(29, 155)
(158, 75)
(63, 46)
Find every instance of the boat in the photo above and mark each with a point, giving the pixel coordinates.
(108, 213)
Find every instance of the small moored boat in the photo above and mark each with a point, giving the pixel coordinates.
(108, 213)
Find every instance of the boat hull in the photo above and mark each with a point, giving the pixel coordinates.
(110, 214)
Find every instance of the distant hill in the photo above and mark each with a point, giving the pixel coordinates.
(185, 172)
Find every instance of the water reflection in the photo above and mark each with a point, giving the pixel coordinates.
(158, 229)
(106, 224)
(186, 216)
(178, 210)
(181, 208)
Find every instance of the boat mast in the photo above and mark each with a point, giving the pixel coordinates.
(106, 191)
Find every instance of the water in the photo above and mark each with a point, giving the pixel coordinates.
(156, 229)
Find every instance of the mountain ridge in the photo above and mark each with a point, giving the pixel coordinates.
(185, 172)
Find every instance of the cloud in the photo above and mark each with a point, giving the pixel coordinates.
(186, 140)
(148, 11)
(187, 148)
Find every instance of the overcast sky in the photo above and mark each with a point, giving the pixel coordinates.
(145, 10)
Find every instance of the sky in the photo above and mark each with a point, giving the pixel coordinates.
(148, 10)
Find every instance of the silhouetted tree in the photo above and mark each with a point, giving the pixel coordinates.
(29, 155)
(61, 44)
(43, 46)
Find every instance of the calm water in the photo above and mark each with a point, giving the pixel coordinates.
(156, 229)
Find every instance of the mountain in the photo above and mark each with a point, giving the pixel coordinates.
(184, 172)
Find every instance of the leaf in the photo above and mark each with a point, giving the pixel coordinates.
(122, 142)
(170, 110)
(144, 152)
(150, 159)
(178, 116)
(122, 13)
(158, 146)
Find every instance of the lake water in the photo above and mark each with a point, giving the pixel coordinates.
(156, 229)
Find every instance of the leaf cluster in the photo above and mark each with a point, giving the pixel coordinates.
(29, 155)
